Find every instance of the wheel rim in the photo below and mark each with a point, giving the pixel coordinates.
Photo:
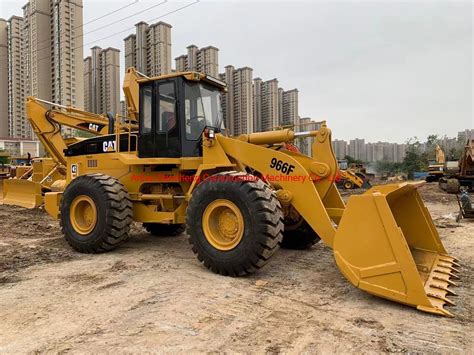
(223, 224)
(83, 214)
(348, 185)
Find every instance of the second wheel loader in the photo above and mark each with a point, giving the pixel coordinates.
(29, 183)
(242, 197)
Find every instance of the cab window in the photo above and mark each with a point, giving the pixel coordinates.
(146, 110)
(167, 108)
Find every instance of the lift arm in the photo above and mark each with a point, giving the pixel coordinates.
(131, 90)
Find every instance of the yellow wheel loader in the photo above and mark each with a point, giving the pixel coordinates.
(349, 180)
(27, 187)
(351, 176)
(242, 197)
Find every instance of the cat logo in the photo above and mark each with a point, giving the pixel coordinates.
(108, 146)
(94, 127)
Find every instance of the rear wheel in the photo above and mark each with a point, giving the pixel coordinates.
(453, 186)
(96, 213)
(442, 183)
(348, 185)
(234, 222)
(164, 230)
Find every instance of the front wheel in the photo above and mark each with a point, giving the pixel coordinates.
(234, 222)
(299, 237)
(96, 213)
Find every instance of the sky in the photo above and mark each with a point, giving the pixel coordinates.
(380, 70)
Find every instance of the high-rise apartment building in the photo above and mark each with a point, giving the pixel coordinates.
(289, 107)
(149, 49)
(204, 60)
(399, 152)
(303, 143)
(102, 81)
(339, 147)
(257, 104)
(3, 78)
(270, 105)
(357, 149)
(18, 125)
(306, 144)
(52, 35)
(237, 103)
(280, 105)
(44, 58)
(463, 136)
(130, 53)
(228, 99)
(265, 104)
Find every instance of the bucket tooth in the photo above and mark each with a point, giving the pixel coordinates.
(447, 290)
(447, 273)
(436, 310)
(442, 298)
(448, 267)
(453, 261)
(447, 313)
(439, 278)
(455, 269)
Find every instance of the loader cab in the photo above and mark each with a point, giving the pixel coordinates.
(173, 113)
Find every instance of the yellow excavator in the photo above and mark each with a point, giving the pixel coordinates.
(436, 168)
(240, 198)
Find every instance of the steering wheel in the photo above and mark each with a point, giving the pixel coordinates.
(195, 118)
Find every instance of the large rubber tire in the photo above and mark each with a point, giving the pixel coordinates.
(431, 178)
(164, 230)
(347, 185)
(442, 183)
(453, 186)
(302, 237)
(113, 211)
(262, 219)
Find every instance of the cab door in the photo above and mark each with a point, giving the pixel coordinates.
(167, 137)
(146, 145)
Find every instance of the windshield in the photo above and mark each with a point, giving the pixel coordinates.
(202, 105)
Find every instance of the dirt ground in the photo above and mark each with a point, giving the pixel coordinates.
(153, 295)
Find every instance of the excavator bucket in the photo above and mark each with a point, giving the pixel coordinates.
(386, 244)
(22, 192)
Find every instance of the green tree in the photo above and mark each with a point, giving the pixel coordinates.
(351, 160)
(431, 141)
(415, 159)
(4, 157)
(388, 167)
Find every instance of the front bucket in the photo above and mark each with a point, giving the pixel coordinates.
(20, 192)
(387, 245)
